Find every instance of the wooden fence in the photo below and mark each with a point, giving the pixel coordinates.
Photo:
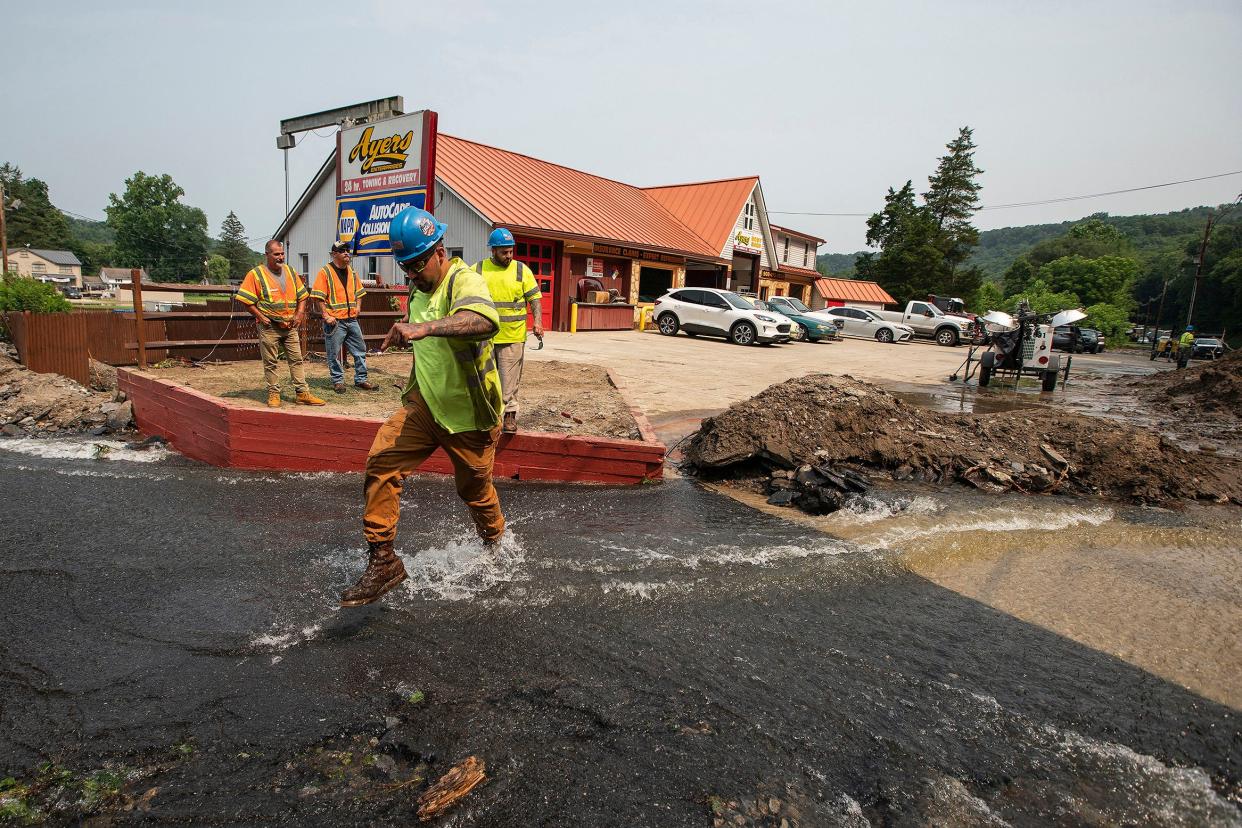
(64, 343)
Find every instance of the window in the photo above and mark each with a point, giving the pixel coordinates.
(785, 252)
(715, 300)
(690, 297)
(38, 267)
(749, 213)
(372, 266)
(456, 252)
(305, 257)
(806, 254)
(67, 269)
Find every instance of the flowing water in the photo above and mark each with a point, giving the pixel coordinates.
(628, 656)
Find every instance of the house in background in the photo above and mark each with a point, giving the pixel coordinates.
(850, 293)
(60, 267)
(795, 273)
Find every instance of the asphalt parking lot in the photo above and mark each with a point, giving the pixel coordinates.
(680, 377)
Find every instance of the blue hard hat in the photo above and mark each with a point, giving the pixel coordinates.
(1190, 327)
(413, 232)
(500, 237)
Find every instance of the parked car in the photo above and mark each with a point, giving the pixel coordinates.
(1207, 347)
(1075, 340)
(808, 326)
(713, 312)
(71, 292)
(1098, 347)
(925, 319)
(866, 323)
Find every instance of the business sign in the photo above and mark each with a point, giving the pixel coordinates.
(382, 168)
(749, 241)
(362, 220)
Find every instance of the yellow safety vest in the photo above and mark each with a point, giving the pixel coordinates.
(511, 289)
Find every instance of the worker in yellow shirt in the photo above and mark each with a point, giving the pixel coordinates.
(513, 289)
(451, 402)
(276, 298)
(1186, 346)
(338, 291)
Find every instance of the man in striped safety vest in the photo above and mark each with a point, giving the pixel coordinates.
(452, 401)
(513, 288)
(338, 291)
(276, 298)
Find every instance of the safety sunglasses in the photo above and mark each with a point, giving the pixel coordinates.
(417, 265)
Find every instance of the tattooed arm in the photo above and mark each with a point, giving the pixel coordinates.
(465, 324)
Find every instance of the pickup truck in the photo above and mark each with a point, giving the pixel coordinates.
(929, 321)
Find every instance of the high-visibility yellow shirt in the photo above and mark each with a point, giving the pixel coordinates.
(339, 301)
(276, 298)
(457, 377)
(511, 288)
(1187, 339)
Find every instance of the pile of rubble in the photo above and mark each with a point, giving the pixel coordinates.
(33, 404)
(821, 423)
(1212, 388)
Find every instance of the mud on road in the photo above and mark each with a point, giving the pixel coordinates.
(827, 419)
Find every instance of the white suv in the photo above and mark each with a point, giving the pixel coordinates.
(713, 312)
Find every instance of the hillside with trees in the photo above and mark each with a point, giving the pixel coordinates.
(148, 225)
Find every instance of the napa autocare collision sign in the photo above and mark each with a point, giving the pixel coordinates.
(382, 168)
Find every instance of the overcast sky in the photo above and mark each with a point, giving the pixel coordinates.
(830, 103)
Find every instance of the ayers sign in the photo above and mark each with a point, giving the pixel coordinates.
(382, 168)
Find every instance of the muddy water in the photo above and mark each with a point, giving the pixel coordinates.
(628, 657)
(1159, 589)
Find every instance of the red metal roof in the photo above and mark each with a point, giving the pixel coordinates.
(801, 271)
(709, 208)
(853, 290)
(797, 233)
(518, 191)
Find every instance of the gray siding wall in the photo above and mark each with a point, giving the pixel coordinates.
(465, 228)
(314, 231)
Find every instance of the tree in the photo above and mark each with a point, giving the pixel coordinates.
(156, 231)
(1109, 320)
(1106, 279)
(233, 246)
(37, 222)
(987, 297)
(910, 263)
(1043, 299)
(217, 269)
(1020, 274)
(923, 248)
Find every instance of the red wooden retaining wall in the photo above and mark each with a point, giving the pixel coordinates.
(223, 433)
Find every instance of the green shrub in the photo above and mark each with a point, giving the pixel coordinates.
(17, 293)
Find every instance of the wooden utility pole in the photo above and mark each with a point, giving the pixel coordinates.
(4, 235)
(140, 325)
(1194, 290)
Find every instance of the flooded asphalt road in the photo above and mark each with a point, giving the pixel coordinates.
(635, 656)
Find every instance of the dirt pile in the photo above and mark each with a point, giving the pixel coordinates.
(824, 419)
(1208, 387)
(34, 404)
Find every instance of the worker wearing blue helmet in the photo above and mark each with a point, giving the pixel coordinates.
(513, 289)
(451, 402)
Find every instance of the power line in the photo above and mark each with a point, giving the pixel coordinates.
(1059, 200)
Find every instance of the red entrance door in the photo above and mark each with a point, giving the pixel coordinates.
(537, 255)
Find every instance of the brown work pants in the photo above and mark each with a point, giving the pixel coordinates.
(403, 443)
(270, 340)
(509, 358)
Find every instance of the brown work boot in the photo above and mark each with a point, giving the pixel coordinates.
(338, 387)
(307, 398)
(273, 399)
(366, 386)
(510, 424)
(384, 571)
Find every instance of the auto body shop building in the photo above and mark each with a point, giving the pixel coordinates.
(570, 225)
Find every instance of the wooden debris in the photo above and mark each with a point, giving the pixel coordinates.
(459, 781)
